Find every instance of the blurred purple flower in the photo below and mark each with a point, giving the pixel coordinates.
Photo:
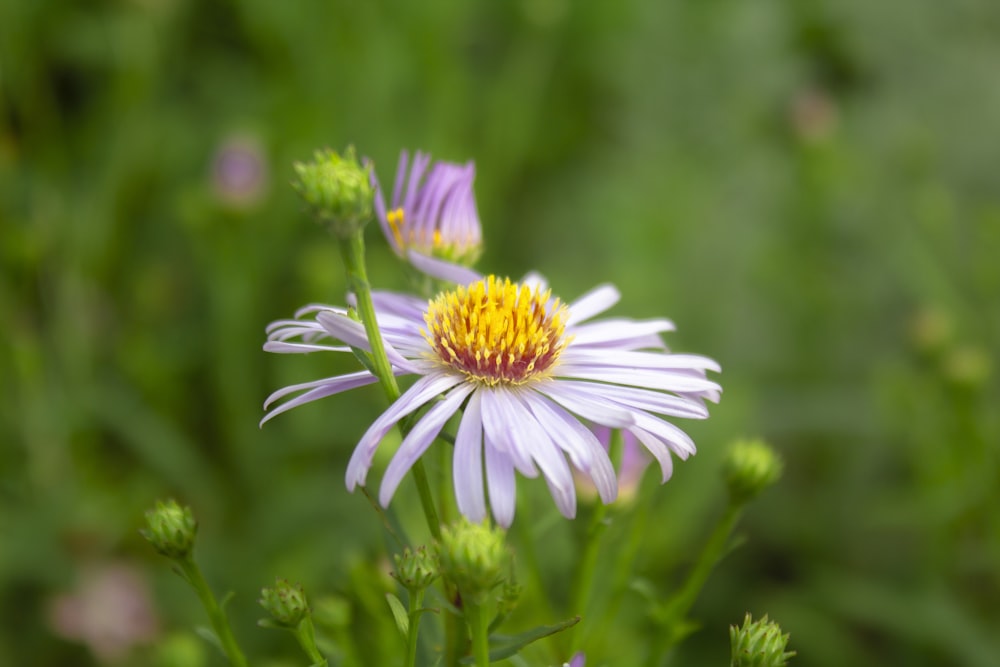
(239, 172)
(432, 220)
(526, 368)
(111, 611)
(578, 660)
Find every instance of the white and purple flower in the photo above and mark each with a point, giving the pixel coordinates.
(525, 370)
(432, 220)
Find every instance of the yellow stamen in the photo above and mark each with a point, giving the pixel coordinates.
(496, 332)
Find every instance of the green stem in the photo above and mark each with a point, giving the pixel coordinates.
(416, 604)
(215, 613)
(479, 629)
(583, 584)
(353, 251)
(676, 610)
(306, 635)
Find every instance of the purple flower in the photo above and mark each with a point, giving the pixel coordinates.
(578, 660)
(432, 221)
(239, 172)
(525, 369)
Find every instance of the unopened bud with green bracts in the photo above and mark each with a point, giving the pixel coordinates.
(472, 557)
(758, 644)
(171, 529)
(750, 467)
(285, 602)
(337, 189)
(416, 569)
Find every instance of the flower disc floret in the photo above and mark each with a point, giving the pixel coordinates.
(496, 332)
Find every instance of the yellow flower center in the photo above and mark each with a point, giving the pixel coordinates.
(496, 332)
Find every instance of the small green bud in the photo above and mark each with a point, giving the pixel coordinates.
(285, 603)
(750, 467)
(758, 644)
(472, 556)
(171, 529)
(337, 190)
(510, 595)
(416, 569)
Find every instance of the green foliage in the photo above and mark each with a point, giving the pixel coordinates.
(806, 188)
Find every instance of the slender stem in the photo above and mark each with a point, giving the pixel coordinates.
(353, 251)
(583, 584)
(306, 635)
(416, 604)
(215, 613)
(454, 639)
(676, 610)
(478, 620)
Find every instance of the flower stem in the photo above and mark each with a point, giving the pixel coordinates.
(306, 634)
(583, 583)
(215, 613)
(476, 615)
(416, 603)
(675, 611)
(353, 251)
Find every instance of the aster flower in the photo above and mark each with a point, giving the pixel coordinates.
(432, 221)
(525, 369)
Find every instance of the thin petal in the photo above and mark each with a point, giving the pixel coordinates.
(600, 412)
(546, 454)
(583, 447)
(501, 483)
(594, 302)
(467, 464)
(612, 330)
(638, 377)
(327, 387)
(353, 333)
(502, 425)
(646, 399)
(419, 439)
(659, 451)
(416, 396)
(650, 360)
(442, 270)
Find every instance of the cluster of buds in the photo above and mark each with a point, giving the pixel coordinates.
(285, 602)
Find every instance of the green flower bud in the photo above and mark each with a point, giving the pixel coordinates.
(337, 190)
(510, 595)
(758, 644)
(285, 603)
(472, 556)
(750, 467)
(416, 569)
(171, 529)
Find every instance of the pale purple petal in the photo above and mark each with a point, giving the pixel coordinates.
(659, 451)
(549, 458)
(443, 270)
(592, 303)
(282, 347)
(351, 332)
(467, 464)
(419, 439)
(639, 377)
(324, 388)
(614, 330)
(422, 391)
(645, 399)
(583, 447)
(501, 483)
(650, 360)
(502, 425)
(600, 412)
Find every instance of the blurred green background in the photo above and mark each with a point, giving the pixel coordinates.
(807, 187)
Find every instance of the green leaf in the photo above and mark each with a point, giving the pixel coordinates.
(209, 635)
(399, 614)
(504, 646)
